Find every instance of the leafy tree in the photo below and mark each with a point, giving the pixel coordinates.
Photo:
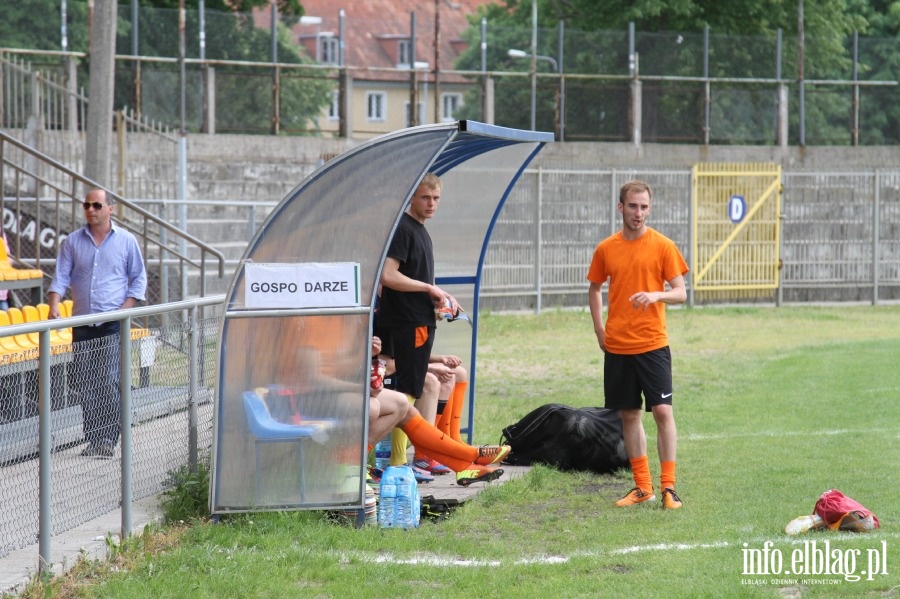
(244, 94)
(879, 56)
(669, 42)
(36, 24)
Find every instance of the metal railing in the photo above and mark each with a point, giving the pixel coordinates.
(165, 420)
(839, 235)
(44, 196)
(46, 110)
(605, 85)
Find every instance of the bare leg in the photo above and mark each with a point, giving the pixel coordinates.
(385, 412)
(427, 404)
(633, 433)
(666, 434)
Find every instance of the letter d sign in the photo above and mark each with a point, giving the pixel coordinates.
(737, 208)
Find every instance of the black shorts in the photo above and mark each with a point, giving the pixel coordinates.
(625, 377)
(411, 350)
(387, 345)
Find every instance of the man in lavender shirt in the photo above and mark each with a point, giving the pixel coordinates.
(101, 263)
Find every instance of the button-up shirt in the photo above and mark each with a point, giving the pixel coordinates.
(101, 277)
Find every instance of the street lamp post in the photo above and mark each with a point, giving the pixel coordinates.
(513, 53)
(317, 21)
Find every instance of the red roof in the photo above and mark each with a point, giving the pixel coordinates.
(373, 30)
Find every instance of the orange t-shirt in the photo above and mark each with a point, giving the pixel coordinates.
(643, 264)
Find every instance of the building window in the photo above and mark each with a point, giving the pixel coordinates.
(404, 52)
(450, 103)
(328, 50)
(422, 114)
(334, 112)
(376, 106)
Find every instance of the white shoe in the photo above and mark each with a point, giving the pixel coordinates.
(803, 524)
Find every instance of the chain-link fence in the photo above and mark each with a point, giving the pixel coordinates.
(696, 87)
(172, 374)
(839, 235)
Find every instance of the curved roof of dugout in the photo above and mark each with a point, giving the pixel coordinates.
(298, 318)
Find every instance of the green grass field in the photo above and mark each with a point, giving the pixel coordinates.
(774, 407)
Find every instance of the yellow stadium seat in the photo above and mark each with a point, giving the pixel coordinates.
(10, 351)
(31, 314)
(22, 340)
(7, 344)
(9, 272)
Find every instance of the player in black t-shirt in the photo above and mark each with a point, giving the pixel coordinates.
(406, 315)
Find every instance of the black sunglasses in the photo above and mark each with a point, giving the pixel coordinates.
(94, 205)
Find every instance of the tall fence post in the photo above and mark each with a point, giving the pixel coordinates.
(71, 83)
(193, 382)
(539, 242)
(854, 103)
(45, 420)
(707, 99)
(209, 99)
(125, 422)
(876, 236)
(782, 98)
(692, 237)
(487, 109)
(636, 102)
(121, 153)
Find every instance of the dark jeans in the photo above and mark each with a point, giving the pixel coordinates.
(95, 377)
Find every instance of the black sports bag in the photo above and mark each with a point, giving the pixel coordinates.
(568, 438)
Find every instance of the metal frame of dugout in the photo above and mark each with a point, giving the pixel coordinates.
(298, 318)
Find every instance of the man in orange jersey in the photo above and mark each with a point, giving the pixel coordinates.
(638, 262)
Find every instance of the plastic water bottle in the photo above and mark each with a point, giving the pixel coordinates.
(399, 501)
(383, 453)
(387, 500)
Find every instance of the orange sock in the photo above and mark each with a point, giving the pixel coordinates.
(458, 401)
(640, 469)
(438, 446)
(667, 476)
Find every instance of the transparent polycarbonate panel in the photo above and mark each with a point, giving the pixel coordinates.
(306, 370)
(455, 337)
(311, 373)
(470, 193)
(347, 211)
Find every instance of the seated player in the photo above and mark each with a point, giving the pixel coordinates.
(389, 409)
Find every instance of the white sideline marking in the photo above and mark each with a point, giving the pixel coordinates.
(669, 547)
(440, 561)
(839, 431)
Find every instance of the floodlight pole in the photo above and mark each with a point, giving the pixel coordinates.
(513, 53)
(182, 143)
(534, 17)
(413, 80)
(437, 61)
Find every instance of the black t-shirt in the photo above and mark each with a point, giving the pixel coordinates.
(411, 246)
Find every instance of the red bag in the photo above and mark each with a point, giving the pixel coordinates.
(840, 511)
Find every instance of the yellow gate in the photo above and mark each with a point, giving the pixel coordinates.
(736, 228)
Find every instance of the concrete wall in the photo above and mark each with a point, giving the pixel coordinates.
(254, 167)
(263, 168)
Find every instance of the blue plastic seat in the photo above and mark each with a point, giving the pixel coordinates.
(268, 430)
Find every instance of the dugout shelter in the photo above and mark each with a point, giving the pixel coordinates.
(290, 423)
